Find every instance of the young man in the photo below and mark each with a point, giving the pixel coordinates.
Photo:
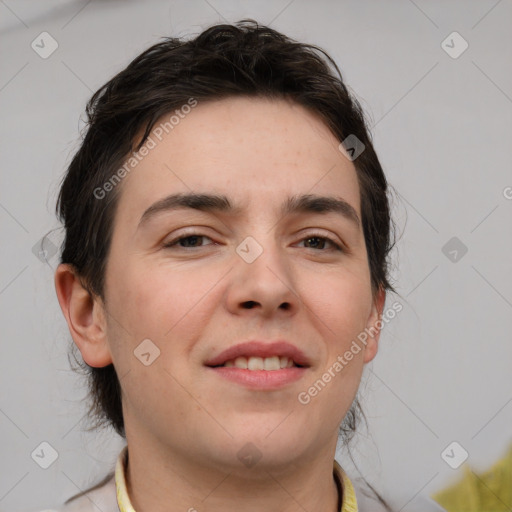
(224, 274)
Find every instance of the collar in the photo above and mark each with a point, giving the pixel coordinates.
(345, 487)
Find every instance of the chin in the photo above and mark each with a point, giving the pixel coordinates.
(272, 449)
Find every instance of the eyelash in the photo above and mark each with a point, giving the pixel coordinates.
(173, 243)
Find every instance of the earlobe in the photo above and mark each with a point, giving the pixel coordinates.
(374, 326)
(84, 315)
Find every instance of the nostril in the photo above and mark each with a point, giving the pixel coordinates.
(249, 304)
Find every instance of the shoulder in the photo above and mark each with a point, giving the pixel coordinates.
(359, 496)
(367, 501)
(101, 497)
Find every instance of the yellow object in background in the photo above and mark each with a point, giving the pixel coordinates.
(490, 491)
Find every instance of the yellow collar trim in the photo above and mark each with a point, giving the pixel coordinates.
(349, 503)
(123, 501)
(125, 505)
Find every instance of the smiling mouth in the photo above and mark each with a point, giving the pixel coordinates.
(260, 363)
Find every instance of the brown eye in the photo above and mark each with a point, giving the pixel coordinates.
(317, 242)
(189, 241)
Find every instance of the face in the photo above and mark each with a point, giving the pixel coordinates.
(196, 281)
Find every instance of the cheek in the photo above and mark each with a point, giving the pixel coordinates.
(143, 294)
(333, 387)
(151, 305)
(165, 304)
(343, 304)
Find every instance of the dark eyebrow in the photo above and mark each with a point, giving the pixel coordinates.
(310, 203)
(307, 203)
(203, 202)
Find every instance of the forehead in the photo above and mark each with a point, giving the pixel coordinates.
(254, 150)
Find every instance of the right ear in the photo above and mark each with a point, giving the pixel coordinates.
(85, 316)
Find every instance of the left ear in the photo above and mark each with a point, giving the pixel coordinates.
(373, 326)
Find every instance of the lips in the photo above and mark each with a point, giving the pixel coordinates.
(261, 349)
(254, 365)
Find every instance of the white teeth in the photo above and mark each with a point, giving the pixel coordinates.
(255, 363)
(241, 362)
(260, 363)
(271, 363)
(284, 362)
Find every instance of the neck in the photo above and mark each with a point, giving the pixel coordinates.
(158, 481)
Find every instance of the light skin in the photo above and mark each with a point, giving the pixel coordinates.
(185, 424)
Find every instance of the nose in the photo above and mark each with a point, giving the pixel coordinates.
(264, 286)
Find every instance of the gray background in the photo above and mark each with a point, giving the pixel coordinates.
(442, 129)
